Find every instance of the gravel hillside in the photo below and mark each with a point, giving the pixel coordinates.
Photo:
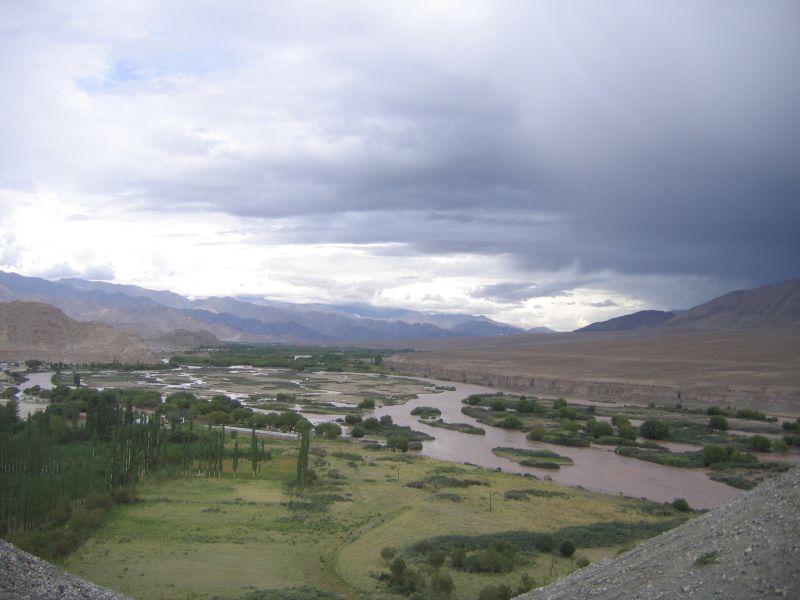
(746, 549)
(25, 577)
(36, 330)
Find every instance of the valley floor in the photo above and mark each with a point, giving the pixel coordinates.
(226, 537)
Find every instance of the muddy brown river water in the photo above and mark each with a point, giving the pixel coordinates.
(597, 468)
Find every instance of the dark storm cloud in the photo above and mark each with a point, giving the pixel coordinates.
(634, 138)
(666, 140)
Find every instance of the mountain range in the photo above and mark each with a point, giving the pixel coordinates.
(158, 315)
(771, 306)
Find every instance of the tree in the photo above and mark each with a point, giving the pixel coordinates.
(654, 429)
(304, 429)
(253, 451)
(442, 585)
(328, 430)
(510, 422)
(398, 442)
(76, 379)
(681, 505)
(388, 553)
(714, 453)
(566, 548)
(760, 443)
(601, 428)
(235, 457)
(9, 415)
(626, 431)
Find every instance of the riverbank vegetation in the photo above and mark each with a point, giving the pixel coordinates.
(722, 436)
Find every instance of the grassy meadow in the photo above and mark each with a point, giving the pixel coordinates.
(231, 537)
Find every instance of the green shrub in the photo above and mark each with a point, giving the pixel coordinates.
(779, 446)
(328, 430)
(760, 443)
(545, 543)
(458, 558)
(710, 558)
(680, 504)
(566, 548)
(627, 431)
(510, 422)
(653, 429)
(601, 428)
(718, 422)
(714, 453)
(537, 434)
(617, 420)
(569, 426)
(388, 553)
(500, 592)
(753, 415)
(568, 412)
(442, 585)
(497, 405)
(582, 562)
(488, 561)
(526, 584)
(426, 412)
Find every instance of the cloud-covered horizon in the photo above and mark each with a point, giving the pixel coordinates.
(542, 163)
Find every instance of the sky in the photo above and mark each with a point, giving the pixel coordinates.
(543, 163)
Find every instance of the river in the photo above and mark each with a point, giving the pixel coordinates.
(596, 468)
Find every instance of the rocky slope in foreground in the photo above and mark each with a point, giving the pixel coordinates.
(25, 577)
(36, 330)
(748, 548)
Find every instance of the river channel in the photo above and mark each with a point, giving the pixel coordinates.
(596, 468)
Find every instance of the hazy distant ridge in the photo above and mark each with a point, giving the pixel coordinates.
(154, 314)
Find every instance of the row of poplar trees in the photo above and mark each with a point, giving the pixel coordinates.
(49, 464)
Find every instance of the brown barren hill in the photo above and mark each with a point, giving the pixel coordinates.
(36, 330)
(754, 368)
(772, 306)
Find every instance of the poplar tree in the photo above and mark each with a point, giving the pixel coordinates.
(304, 429)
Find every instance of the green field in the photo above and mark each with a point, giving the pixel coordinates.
(228, 537)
